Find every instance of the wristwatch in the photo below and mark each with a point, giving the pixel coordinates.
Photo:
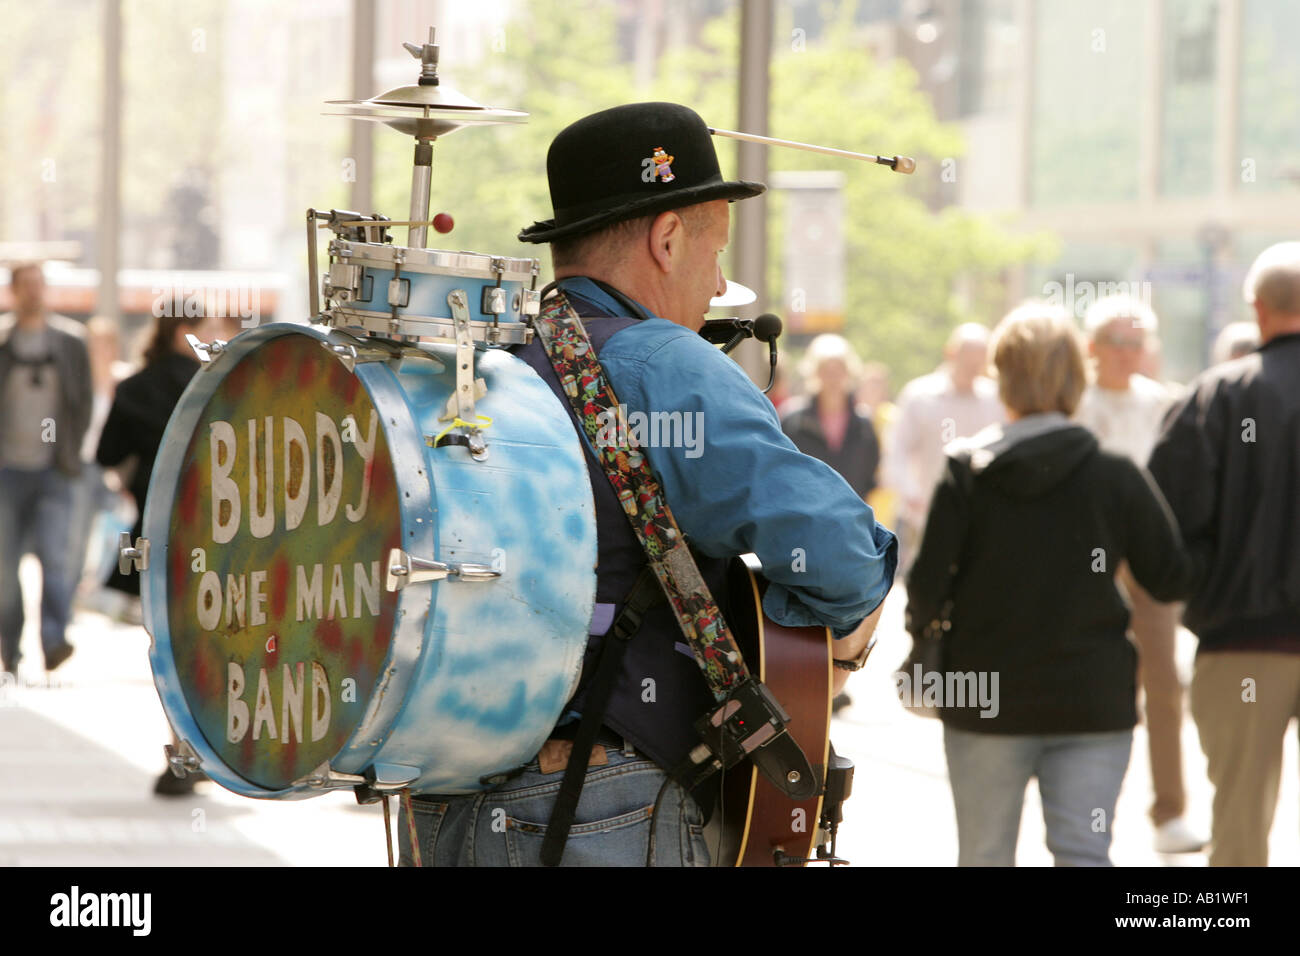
(857, 663)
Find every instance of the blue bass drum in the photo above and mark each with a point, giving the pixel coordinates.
(337, 595)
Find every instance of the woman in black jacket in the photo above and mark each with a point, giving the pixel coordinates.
(1016, 571)
(142, 406)
(133, 433)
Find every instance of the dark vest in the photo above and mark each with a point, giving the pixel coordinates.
(660, 692)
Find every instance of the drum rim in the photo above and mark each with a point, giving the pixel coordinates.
(387, 697)
(513, 331)
(466, 264)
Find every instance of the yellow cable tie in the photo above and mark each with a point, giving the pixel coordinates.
(461, 423)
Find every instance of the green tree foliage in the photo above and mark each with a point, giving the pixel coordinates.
(911, 274)
(558, 62)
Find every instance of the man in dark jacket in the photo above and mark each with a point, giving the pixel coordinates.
(1228, 460)
(45, 399)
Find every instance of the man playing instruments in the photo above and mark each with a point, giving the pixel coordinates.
(636, 255)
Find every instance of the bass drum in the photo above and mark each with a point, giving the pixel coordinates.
(294, 648)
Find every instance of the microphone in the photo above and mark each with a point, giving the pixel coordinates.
(767, 328)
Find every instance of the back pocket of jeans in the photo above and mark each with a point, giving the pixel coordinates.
(428, 821)
(623, 840)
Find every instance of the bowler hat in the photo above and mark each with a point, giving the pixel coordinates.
(630, 161)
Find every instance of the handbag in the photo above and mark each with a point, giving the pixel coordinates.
(925, 657)
(927, 653)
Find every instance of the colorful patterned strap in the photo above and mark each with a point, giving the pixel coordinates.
(566, 343)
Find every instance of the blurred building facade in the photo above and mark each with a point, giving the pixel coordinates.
(1159, 140)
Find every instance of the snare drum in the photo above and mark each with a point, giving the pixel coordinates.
(393, 290)
(332, 600)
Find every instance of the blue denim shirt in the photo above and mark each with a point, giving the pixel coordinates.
(736, 483)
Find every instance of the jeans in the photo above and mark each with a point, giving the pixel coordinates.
(1079, 777)
(505, 826)
(35, 513)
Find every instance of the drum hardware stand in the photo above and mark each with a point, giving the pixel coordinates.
(182, 759)
(405, 798)
(344, 279)
(325, 777)
(352, 350)
(460, 406)
(128, 557)
(206, 352)
(404, 569)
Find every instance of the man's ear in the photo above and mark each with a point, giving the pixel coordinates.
(666, 235)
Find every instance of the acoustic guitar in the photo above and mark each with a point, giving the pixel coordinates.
(760, 825)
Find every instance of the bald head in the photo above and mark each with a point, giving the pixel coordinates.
(1272, 286)
(967, 354)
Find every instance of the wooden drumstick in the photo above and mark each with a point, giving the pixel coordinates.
(899, 164)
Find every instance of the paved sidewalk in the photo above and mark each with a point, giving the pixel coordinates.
(79, 756)
(901, 812)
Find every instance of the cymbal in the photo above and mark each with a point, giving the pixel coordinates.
(427, 122)
(426, 111)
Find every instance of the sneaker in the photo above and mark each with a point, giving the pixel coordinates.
(1175, 836)
(58, 656)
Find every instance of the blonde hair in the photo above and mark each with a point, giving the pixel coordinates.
(1038, 354)
(1106, 310)
(824, 348)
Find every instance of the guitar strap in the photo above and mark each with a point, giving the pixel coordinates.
(569, 348)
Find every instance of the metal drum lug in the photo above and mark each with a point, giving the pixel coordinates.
(494, 300)
(128, 557)
(182, 759)
(205, 352)
(532, 302)
(404, 569)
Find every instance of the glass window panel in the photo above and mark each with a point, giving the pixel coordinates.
(1086, 116)
(1187, 97)
(1269, 120)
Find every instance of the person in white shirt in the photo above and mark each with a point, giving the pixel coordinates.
(1124, 409)
(955, 401)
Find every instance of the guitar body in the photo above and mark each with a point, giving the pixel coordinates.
(795, 664)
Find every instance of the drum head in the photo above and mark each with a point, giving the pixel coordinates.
(286, 507)
(287, 485)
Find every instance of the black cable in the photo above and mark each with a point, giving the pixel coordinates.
(654, 819)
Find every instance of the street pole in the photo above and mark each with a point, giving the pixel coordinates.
(110, 164)
(749, 259)
(362, 150)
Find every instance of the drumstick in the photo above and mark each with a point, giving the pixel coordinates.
(899, 164)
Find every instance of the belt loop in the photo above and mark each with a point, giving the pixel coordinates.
(628, 750)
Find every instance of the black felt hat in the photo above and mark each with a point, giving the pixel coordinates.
(630, 161)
